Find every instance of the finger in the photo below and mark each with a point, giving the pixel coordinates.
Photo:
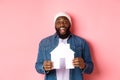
(48, 67)
(76, 64)
(79, 60)
(75, 60)
(47, 63)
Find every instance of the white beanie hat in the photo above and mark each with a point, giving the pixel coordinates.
(62, 14)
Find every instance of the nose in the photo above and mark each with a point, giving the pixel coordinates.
(62, 24)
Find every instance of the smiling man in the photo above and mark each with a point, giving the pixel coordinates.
(82, 59)
(62, 26)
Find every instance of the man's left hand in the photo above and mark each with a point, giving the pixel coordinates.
(79, 62)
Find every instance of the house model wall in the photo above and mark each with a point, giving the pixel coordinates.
(62, 51)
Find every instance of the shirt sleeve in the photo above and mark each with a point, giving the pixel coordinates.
(87, 59)
(40, 59)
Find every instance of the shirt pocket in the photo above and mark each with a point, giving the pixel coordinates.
(78, 52)
(47, 54)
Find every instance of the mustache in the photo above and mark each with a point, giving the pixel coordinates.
(65, 35)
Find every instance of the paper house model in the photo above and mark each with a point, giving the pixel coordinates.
(62, 51)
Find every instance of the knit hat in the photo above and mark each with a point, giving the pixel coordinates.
(62, 14)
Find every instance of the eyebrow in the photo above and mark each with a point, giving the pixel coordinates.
(64, 19)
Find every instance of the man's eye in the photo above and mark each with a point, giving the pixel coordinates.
(57, 22)
(65, 22)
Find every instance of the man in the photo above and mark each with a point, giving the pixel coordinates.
(82, 61)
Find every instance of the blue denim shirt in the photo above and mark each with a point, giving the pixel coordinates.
(77, 44)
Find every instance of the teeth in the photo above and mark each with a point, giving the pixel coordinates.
(62, 28)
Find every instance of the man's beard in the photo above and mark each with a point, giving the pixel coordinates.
(63, 36)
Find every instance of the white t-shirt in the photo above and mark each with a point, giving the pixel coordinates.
(62, 73)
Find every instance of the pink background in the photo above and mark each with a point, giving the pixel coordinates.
(23, 23)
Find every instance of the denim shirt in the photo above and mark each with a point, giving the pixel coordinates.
(77, 44)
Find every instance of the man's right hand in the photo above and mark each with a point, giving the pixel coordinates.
(48, 65)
